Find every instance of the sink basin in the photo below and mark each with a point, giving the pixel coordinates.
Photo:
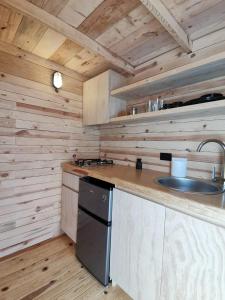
(189, 185)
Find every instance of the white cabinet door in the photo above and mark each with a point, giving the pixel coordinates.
(69, 212)
(194, 259)
(71, 181)
(96, 100)
(98, 105)
(137, 245)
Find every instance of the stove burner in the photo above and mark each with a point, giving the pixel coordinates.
(93, 162)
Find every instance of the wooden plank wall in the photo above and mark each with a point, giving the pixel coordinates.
(39, 130)
(124, 143)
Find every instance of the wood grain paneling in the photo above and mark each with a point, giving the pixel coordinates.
(75, 12)
(204, 48)
(65, 52)
(126, 26)
(193, 262)
(33, 58)
(69, 31)
(51, 6)
(49, 43)
(29, 33)
(51, 271)
(71, 181)
(107, 13)
(27, 70)
(9, 23)
(137, 248)
(69, 212)
(39, 129)
(196, 17)
(138, 37)
(126, 142)
(167, 20)
(124, 34)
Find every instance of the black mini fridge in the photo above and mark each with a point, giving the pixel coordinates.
(94, 227)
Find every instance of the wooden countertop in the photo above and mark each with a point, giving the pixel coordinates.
(142, 183)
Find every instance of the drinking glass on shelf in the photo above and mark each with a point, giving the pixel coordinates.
(149, 106)
(155, 105)
(161, 102)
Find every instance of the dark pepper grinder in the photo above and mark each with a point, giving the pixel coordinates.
(138, 164)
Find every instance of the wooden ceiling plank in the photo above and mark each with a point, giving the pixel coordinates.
(22, 54)
(212, 40)
(49, 43)
(138, 37)
(9, 23)
(29, 33)
(66, 52)
(164, 48)
(198, 18)
(209, 39)
(53, 7)
(106, 14)
(93, 67)
(136, 19)
(70, 32)
(208, 21)
(162, 14)
(80, 59)
(75, 12)
(151, 37)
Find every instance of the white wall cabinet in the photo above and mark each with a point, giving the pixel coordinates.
(69, 211)
(98, 105)
(137, 245)
(194, 259)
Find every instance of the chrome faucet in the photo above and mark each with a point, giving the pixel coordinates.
(220, 179)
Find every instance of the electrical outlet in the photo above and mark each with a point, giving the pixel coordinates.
(166, 156)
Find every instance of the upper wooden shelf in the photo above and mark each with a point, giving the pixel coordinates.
(205, 69)
(191, 111)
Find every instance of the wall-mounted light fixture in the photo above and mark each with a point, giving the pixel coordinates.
(57, 81)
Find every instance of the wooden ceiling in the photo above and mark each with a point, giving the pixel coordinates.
(126, 32)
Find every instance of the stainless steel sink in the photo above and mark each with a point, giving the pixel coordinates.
(190, 185)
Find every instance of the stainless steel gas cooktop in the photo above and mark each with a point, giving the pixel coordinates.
(92, 162)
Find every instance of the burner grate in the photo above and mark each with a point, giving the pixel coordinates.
(92, 162)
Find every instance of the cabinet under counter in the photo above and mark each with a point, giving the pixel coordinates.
(159, 253)
(69, 210)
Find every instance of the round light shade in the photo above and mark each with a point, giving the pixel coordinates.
(57, 80)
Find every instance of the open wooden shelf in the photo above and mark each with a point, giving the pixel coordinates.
(192, 111)
(206, 69)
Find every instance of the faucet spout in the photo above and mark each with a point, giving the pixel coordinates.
(220, 143)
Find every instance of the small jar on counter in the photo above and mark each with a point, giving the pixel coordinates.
(138, 164)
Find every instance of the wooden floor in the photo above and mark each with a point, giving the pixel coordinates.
(51, 271)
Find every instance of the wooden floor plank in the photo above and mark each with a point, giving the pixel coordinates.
(17, 277)
(41, 277)
(112, 294)
(70, 288)
(30, 256)
(93, 291)
(51, 271)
